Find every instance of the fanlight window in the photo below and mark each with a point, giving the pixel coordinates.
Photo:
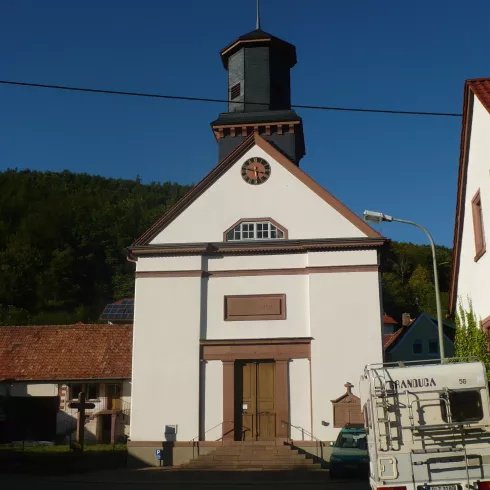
(259, 230)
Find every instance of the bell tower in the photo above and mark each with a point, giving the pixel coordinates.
(259, 95)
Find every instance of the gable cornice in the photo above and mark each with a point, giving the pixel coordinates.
(257, 247)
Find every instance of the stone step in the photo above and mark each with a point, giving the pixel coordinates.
(264, 454)
(252, 456)
(256, 449)
(254, 465)
(255, 443)
(253, 462)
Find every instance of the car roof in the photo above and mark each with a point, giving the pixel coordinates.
(353, 428)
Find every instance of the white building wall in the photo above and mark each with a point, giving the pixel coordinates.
(296, 324)
(165, 381)
(213, 400)
(29, 389)
(233, 197)
(125, 417)
(346, 330)
(473, 276)
(299, 399)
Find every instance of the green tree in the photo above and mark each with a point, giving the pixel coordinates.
(470, 340)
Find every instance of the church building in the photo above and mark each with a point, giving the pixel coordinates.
(257, 301)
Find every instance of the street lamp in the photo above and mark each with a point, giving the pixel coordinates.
(376, 217)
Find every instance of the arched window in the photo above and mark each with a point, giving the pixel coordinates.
(255, 229)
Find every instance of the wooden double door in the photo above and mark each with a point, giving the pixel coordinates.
(255, 403)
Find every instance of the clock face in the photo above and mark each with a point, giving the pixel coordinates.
(256, 171)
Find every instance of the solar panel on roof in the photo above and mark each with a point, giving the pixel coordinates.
(123, 310)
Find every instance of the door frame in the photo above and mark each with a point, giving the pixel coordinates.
(279, 350)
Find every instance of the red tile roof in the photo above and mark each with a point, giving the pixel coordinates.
(388, 320)
(390, 339)
(481, 88)
(64, 352)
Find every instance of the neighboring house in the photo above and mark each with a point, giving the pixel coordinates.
(249, 291)
(43, 368)
(390, 326)
(471, 263)
(419, 341)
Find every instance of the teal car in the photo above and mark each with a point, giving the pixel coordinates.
(350, 452)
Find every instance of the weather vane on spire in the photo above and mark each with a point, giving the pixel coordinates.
(257, 24)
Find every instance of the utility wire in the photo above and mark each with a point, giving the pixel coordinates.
(206, 99)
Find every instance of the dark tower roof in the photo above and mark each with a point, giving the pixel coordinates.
(259, 95)
(258, 36)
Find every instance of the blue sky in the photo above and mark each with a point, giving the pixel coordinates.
(392, 55)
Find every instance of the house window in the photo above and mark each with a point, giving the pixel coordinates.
(433, 347)
(259, 230)
(417, 347)
(478, 226)
(235, 91)
(91, 390)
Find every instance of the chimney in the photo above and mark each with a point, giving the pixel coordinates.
(348, 387)
(406, 320)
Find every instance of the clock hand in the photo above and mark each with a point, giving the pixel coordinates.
(255, 170)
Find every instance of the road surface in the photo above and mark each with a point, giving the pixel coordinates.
(173, 480)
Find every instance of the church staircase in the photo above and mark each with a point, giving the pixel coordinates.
(253, 455)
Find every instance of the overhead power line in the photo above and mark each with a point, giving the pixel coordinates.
(207, 99)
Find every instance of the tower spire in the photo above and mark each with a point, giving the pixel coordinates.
(257, 23)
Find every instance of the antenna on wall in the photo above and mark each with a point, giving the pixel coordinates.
(257, 24)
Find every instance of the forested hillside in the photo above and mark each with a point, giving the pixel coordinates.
(62, 241)
(63, 235)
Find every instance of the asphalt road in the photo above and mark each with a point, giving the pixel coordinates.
(154, 478)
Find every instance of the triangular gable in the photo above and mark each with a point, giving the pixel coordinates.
(227, 163)
(401, 334)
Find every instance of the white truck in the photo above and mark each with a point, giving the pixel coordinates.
(428, 425)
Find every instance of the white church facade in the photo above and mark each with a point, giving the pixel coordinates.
(258, 295)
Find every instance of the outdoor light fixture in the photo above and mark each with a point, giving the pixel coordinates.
(376, 217)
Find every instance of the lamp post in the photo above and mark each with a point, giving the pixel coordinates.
(376, 217)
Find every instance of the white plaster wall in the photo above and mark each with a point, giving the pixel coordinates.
(42, 389)
(295, 287)
(346, 330)
(213, 400)
(182, 263)
(251, 262)
(473, 276)
(165, 381)
(266, 261)
(283, 197)
(343, 257)
(299, 398)
(30, 389)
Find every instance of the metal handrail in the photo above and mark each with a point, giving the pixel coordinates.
(308, 433)
(195, 443)
(193, 440)
(303, 431)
